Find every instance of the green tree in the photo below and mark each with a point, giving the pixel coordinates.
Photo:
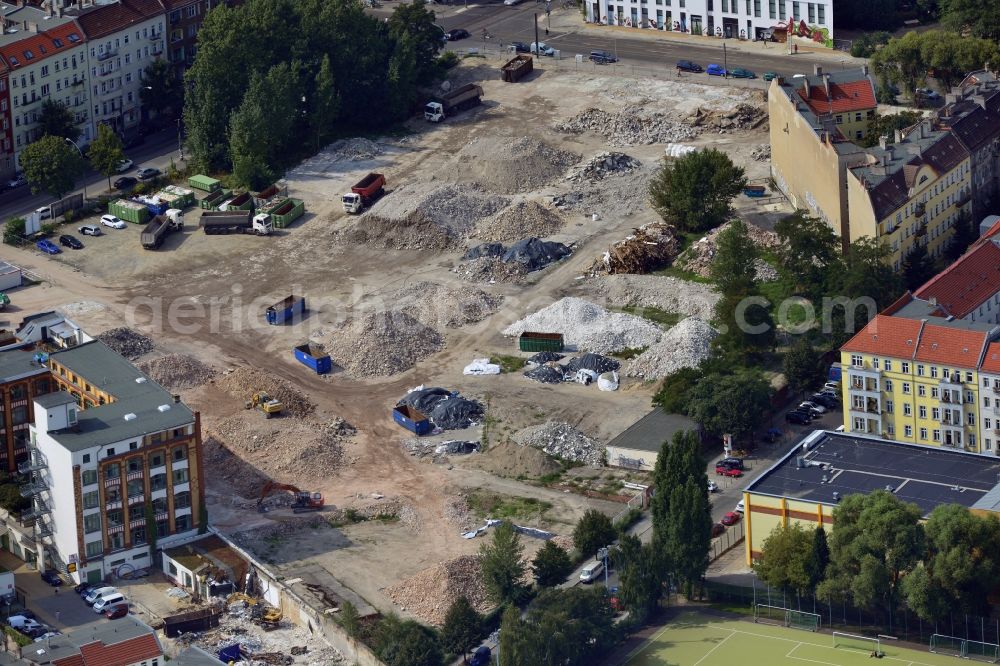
(594, 530)
(415, 23)
(640, 574)
(571, 627)
(866, 285)
(979, 17)
(51, 164)
(885, 125)
(733, 267)
(803, 365)
(551, 565)
(865, 45)
(876, 540)
(964, 236)
(13, 231)
(56, 119)
(462, 628)
(918, 267)
(819, 558)
(106, 152)
(907, 59)
(161, 89)
(810, 252)
(743, 315)
(735, 404)
(679, 459)
(326, 102)
(695, 192)
(689, 532)
(785, 558)
(503, 564)
(247, 127)
(407, 643)
(517, 639)
(403, 77)
(10, 498)
(349, 619)
(673, 393)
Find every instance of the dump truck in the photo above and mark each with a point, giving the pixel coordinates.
(235, 222)
(411, 419)
(312, 357)
(364, 192)
(517, 68)
(160, 227)
(265, 403)
(285, 309)
(459, 99)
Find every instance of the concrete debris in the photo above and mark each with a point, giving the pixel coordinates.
(177, 371)
(439, 451)
(428, 593)
(698, 257)
(379, 344)
(128, 342)
(563, 441)
(629, 127)
(519, 220)
(761, 153)
(603, 165)
(444, 306)
(647, 249)
(743, 117)
(491, 270)
(587, 326)
(354, 149)
(665, 293)
(508, 165)
(685, 345)
(765, 272)
(242, 383)
(533, 253)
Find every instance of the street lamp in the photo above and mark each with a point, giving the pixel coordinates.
(602, 554)
(71, 141)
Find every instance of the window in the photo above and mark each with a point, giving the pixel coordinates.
(110, 452)
(935, 413)
(112, 472)
(182, 500)
(936, 435)
(45, 71)
(138, 535)
(970, 419)
(986, 424)
(821, 14)
(921, 390)
(934, 371)
(91, 499)
(920, 370)
(923, 412)
(88, 477)
(934, 392)
(94, 548)
(923, 433)
(132, 446)
(756, 8)
(158, 482)
(888, 407)
(840, 120)
(906, 388)
(162, 528)
(116, 541)
(156, 459)
(969, 397)
(92, 523)
(134, 464)
(191, 11)
(907, 409)
(908, 431)
(857, 361)
(135, 487)
(906, 368)
(182, 523)
(19, 415)
(968, 377)
(888, 384)
(180, 476)
(159, 505)
(180, 453)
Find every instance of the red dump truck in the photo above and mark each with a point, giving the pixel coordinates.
(364, 192)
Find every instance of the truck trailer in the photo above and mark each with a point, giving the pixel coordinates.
(364, 192)
(236, 222)
(459, 99)
(160, 227)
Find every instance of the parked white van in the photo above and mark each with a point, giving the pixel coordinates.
(98, 593)
(591, 572)
(107, 601)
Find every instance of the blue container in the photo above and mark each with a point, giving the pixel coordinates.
(286, 309)
(313, 358)
(411, 419)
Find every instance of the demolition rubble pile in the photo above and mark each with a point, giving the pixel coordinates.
(243, 382)
(629, 127)
(445, 410)
(507, 165)
(128, 342)
(383, 343)
(699, 256)
(663, 292)
(428, 593)
(519, 220)
(444, 306)
(685, 345)
(532, 253)
(563, 441)
(743, 117)
(602, 166)
(177, 371)
(587, 326)
(761, 153)
(648, 248)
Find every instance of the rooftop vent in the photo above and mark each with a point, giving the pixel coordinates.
(130, 417)
(163, 408)
(140, 380)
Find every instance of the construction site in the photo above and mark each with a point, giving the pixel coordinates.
(528, 213)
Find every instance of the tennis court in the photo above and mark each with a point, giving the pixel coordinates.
(694, 639)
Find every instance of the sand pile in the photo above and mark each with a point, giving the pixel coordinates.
(508, 165)
(428, 593)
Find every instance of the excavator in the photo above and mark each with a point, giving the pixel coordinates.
(265, 403)
(304, 500)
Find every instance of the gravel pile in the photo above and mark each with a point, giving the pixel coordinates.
(442, 306)
(519, 220)
(177, 371)
(242, 383)
(428, 593)
(743, 117)
(765, 272)
(490, 270)
(761, 153)
(532, 253)
(379, 344)
(685, 345)
(603, 165)
(354, 149)
(589, 327)
(698, 257)
(128, 342)
(508, 165)
(669, 294)
(564, 441)
(423, 216)
(628, 128)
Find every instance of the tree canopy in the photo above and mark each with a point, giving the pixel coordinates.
(56, 119)
(551, 565)
(803, 365)
(785, 558)
(503, 564)
(734, 404)
(161, 89)
(51, 164)
(594, 530)
(106, 152)
(695, 192)
(570, 627)
(407, 643)
(462, 628)
(980, 17)
(906, 60)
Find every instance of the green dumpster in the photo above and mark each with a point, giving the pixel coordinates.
(130, 211)
(202, 182)
(286, 212)
(538, 342)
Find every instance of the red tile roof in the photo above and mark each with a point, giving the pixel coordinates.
(951, 346)
(130, 651)
(103, 20)
(846, 96)
(14, 53)
(991, 362)
(886, 336)
(969, 282)
(71, 660)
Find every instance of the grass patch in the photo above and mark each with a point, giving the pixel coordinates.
(653, 314)
(508, 362)
(681, 274)
(629, 353)
(492, 505)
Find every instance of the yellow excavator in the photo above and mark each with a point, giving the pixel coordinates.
(265, 403)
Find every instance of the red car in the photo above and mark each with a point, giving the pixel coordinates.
(731, 518)
(728, 471)
(121, 610)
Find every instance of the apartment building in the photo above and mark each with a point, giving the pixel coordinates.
(115, 464)
(7, 164)
(24, 376)
(184, 19)
(46, 58)
(744, 19)
(123, 38)
(972, 115)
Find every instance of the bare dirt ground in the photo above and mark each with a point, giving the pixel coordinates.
(204, 296)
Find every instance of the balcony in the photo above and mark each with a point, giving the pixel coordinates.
(37, 511)
(42, 530)
(110, 481)
(921, 231)
(29, 466)
(153, 36)
(919, 209)
(109, 71)
(963, 198)
(107, 54)
(115, 503)
(33, 488)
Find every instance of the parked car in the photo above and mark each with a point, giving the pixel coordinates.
(740, 73)
(731, 472)
(115, 612)
(812, 406)
(50, 576)
(20, 180)
(716, 70)
(591, 572)
(769, 76)
(739, 507)
(70, 241)
(688, 66)
(108, 601)
(124, 165)
(731, 518)
(798, 418)
(456, 34)
(712, 487)
(824, 399)
(718, 529)
(603, 57)
(148, 173)
(44, 212)
(112, 221)
(542, 48)
(736, 463)
(520, 47)
(832, 386)
(927, 93)
(124, 182)
(90, 230)
(48, 247)
(21, 622)
(511, 3)
(47, 635)
(481, 657)
(97, 593)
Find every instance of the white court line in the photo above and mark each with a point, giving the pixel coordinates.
(649, 642)
(814, 661)
(716, 647)
(792, 640)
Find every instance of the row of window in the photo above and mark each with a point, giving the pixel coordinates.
(858, 361)
(116, 517)
(776, 9)
(916, 205)
(949, 438)
(116, 541)
(106, 47)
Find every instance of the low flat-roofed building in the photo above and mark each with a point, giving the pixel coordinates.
(638, 446)
(807, 483)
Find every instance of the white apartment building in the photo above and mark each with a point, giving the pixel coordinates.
(115, 465)
(747, 19)
(989, 412)
(123, 38)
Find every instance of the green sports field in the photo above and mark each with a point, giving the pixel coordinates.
(694, 639)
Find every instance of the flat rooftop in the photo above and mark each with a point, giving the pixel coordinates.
(18, 362)
(652, 430)
(928, 476)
